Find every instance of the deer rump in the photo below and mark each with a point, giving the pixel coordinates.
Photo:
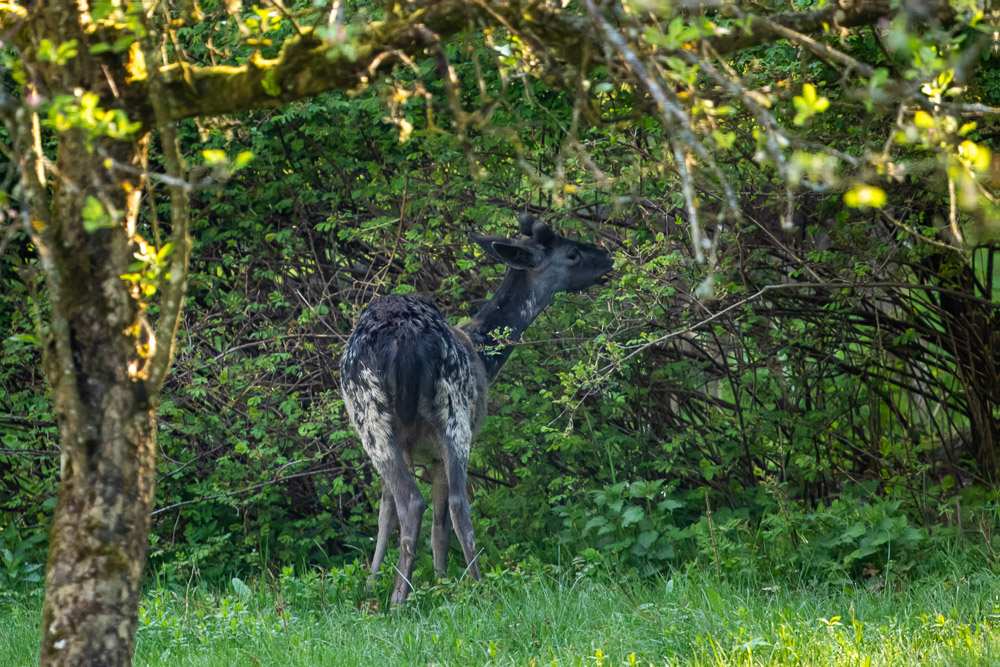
(419, 369)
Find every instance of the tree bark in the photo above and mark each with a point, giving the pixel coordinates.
(106, 417)
(82, 211)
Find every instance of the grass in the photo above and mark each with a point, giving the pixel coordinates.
(541, 617)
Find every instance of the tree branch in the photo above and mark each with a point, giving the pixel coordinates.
(174, 287)
(306, 66)
(842, 14)
(309, 65)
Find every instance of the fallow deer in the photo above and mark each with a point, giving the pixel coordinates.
(415, 387)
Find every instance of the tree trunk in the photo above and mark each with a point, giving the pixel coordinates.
(106, 418)
(98, 348)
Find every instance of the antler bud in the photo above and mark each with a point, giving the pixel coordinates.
(531, 226)
(526, 223)
(541, 233)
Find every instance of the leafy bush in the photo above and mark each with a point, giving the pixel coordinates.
(20, 572)
(639, 528)
(631, 524)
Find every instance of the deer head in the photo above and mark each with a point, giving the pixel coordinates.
(552, 263)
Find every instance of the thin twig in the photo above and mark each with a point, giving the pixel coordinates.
(249, 489)
(711, 530)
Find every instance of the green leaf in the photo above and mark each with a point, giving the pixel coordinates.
(214, 156)
(808, 104)
(857, 530)
(647, 538)
(923, 119)
(241, 589)
(94, 215)
(123, 42)
(243, 159)
(164, 252)
(669, 505)
(865, 196)
(47, 51)
(715, 600)
(633, 514)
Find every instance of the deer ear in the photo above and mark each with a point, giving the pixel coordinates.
(515, 255)
(486, 243)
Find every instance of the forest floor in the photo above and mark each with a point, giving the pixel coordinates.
(532, 619)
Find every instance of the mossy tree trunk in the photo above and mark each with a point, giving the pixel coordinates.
(107, 427)
(82, 212)
(99, 350)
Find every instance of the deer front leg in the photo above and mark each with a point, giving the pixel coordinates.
(388, 520)
(441, 526)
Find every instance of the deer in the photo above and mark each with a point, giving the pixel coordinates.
(415, 387)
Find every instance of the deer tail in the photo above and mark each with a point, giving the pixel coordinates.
(408, 369)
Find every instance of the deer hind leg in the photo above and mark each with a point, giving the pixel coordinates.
(410, 506)
(441, 526)
(401, 499)
(458, 441)
(388, 520)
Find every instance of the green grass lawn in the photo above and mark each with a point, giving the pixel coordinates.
(540, 619)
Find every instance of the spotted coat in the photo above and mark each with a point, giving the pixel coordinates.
(411, 380)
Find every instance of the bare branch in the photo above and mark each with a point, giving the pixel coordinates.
(174, 287)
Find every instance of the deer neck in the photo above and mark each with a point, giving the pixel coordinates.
(515, 305)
